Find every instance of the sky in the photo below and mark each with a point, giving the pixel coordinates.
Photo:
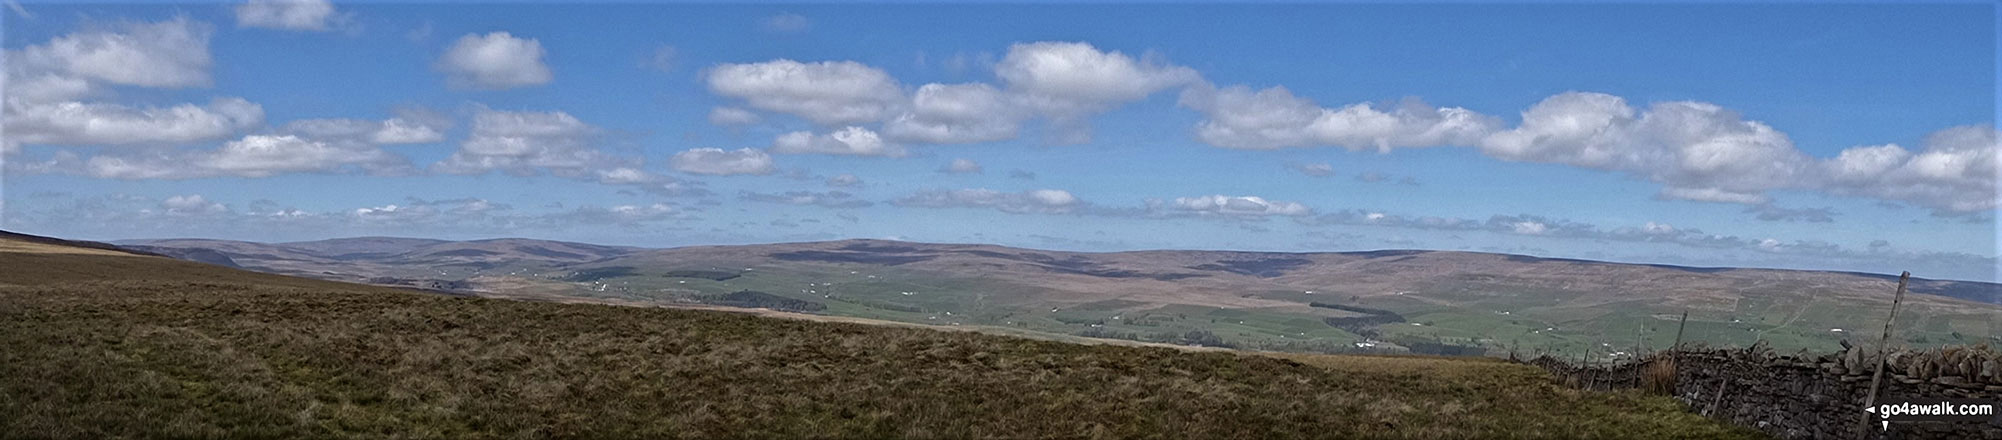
(1830, 137)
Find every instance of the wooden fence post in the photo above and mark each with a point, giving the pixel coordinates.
(1678, 331)
(1883, 344)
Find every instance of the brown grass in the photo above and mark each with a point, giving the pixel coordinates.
(107, 346)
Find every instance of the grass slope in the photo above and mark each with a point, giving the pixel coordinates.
(135, 346)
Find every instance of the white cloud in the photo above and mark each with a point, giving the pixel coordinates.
(1053, 197)
(788, 23)
(1699, 151)
(851, 141)
(624, 176)
(624, 214)
(1068, 82)
(296, 15)
(251, 156)
(826, 93)
(961, 166)
(1042, 201)
(1237, 117)
(957, 114)
(191, 204)
(1064, 83)
(46, 84)
(81, 123)
(262, 156)
(717, 162)
(526, 143)
(1955, 173)
(731, 116)
(1069, 78)
(1529, 228)
(1238, 205)
(167, 54)
(412, 127)
(457, 214)
(497, 60)
(650, 182)
(45, 87)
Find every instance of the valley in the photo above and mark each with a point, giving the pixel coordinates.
(1391, 301)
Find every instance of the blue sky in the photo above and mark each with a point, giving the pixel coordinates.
(1845, 137)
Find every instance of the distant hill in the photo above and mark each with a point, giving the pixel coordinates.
(104, 343)
(1455, 300)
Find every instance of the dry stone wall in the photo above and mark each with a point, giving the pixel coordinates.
(1808, 397)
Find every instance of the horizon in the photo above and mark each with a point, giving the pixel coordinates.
(1693, 135)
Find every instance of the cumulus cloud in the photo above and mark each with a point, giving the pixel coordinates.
(829, 199)
(528, 143)
(193, 204)
(89, 123)
(251, 156)
(261, 156)
(650, 182)
(826, 93)
(410, 126)
(497, 60)
(1232, 206)
(295, 15)
(1061, 82)
(718, 162)
(1069, 81)
(1529, 228)
(1068, 78)
(1042, 201)
(1699, 151)
(849, 141)
(303, 146)
(958, 114)
(167, 54)
(1955, 172)
(1237, 117)
(47, 84)
(961, 166)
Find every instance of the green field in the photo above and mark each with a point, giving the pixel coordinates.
(1452, 312)
(875, 292)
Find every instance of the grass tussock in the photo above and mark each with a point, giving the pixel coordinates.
(238, 355)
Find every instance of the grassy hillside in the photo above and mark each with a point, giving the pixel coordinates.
(1432, 302)
(108, 345)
